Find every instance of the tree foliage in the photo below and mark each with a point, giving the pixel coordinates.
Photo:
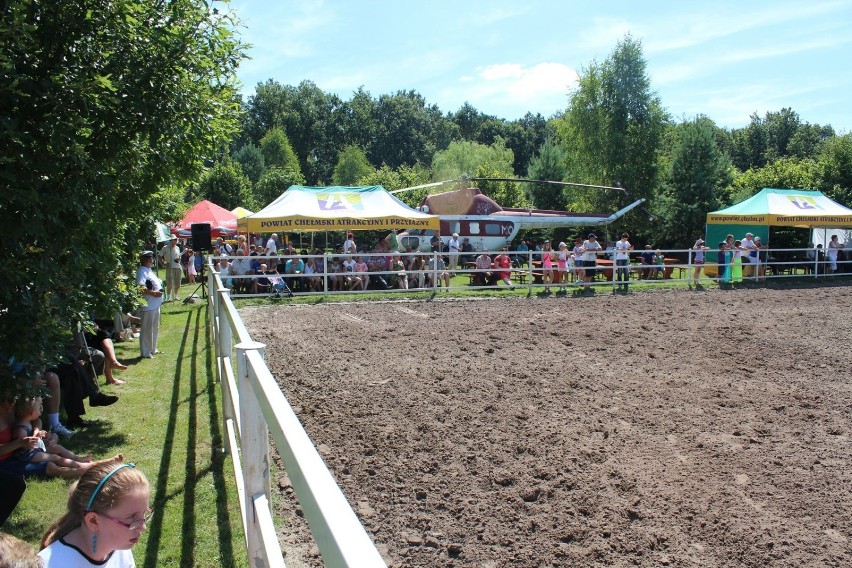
(783, 173)
(251, 160)
(548, 164)
(352, 165)
(613, 128)
(226, 185)
(464, 158)
(274, 182)
(835, 168)
(108, 111)
(400, 178)
(276, 150)
(695, 178)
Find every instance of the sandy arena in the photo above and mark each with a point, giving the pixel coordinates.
(660, 428)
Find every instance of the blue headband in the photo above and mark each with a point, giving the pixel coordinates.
(101, 484)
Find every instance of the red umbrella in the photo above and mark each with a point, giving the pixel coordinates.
(223, 223)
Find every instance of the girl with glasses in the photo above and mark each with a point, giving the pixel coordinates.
(107, 513)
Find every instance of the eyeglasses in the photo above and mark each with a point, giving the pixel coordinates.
(134, 525)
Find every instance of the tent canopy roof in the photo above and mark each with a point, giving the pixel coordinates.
(222, 222)
(784, 208)
(305, 208)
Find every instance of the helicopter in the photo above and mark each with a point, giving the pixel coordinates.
(472, 215)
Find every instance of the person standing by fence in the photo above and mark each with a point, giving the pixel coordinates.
(151, 290)
(698, 259)
(622, 260)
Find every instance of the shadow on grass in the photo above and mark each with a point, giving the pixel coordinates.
(25, 528)
(155, 530)
(196, 338)
(218, 459)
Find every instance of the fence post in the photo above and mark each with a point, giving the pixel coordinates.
(254, 442)
(529, 273)
(225, 337)
(689, 271)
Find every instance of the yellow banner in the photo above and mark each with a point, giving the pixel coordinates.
(811, 220)
(805, 221)
(738, 219)
(305, 224)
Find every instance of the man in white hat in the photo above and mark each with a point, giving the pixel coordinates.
(454, 245)
(170, 257)
(152, 293)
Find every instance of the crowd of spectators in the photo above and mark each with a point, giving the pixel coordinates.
(354, 266)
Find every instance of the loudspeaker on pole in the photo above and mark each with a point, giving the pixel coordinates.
(201, 236)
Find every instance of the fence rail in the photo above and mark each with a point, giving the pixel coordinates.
(526, 271)
(255, 409)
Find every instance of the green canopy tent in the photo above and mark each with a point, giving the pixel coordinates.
(776, 208)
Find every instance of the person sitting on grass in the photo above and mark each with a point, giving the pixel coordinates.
(51, 459)
(108, 510)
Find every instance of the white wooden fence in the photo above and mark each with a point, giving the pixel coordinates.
(526, 271)
(255, 408)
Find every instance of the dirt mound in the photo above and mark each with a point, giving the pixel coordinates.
(673, 428)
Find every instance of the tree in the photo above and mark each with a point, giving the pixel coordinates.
(108, 112)
(225, 185)
(274, 182)
(697, 174)
(783, 173)
(835, 168)
(526, 136)
(780, 127)
(250, 159)
(400, 178)
(477, 160)
(276, 150)
(749, 148)
(464, 159)
(352, 165)
(613, 128)
(407, 130)
(808, 140)
(548, 164)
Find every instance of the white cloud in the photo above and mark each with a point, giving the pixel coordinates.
(522, 84)
(501, 89)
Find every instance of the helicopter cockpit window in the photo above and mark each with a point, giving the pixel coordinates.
(493, 229)
(473, 228)
(455, 227)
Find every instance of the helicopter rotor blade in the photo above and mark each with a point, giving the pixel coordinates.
(424, 186)
(569, 183)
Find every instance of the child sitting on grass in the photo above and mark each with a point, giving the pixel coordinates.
(57, 461)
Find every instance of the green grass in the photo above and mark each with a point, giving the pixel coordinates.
(168, 422)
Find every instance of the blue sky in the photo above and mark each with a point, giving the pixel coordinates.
(719, 58)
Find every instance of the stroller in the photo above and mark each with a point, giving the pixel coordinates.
(279, 287)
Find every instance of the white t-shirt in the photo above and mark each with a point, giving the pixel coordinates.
(271, 247)
(621, 250)
(349, 246)
(62, 555)
(148, 278)
(454, 246)
(591, 249)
